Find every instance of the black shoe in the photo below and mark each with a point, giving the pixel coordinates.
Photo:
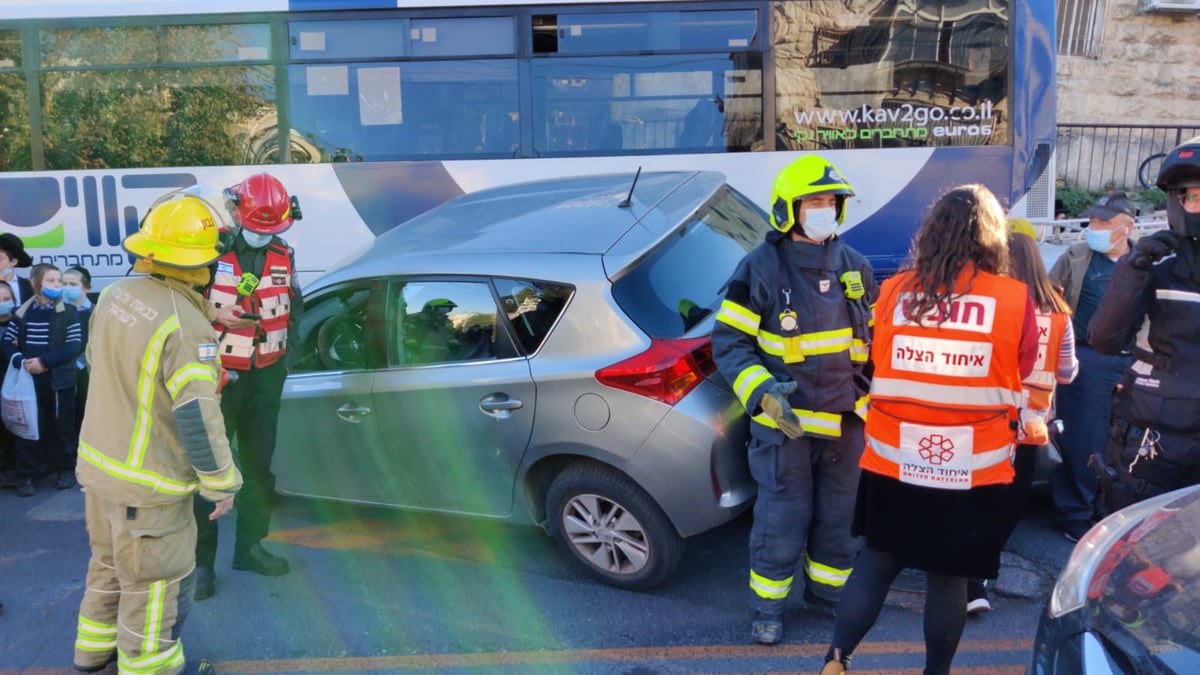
(818, 605)
(1074, 530)
(26, 488)
(66, 481)
(206, 582)
(767, 629)
(977, 597)
(256, 559)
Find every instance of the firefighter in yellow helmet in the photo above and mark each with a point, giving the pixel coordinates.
(152, 437)
(793, 337)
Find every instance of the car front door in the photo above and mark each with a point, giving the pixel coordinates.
(329, 443)
(456, 407)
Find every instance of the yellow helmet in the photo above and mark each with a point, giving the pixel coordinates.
(1022, 226)
(807, 176)
(179, 230)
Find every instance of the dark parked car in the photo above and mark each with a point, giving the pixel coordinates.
(1129, 599)
(537, 353)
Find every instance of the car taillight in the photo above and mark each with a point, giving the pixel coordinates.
(665, 372)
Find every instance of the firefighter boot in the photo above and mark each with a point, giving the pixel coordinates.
(767, 629)
(255, 558)
(206, 582)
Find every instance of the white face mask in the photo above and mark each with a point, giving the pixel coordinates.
(254, 239)
(820, 224)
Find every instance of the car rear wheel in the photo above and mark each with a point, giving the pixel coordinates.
(612, 527)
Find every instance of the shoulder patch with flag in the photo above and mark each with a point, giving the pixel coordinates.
(207, 351)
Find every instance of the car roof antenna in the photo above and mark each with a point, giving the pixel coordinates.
(629, 199)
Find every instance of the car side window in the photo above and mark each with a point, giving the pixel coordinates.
(532, 307)
(336, 332)
(448, 322)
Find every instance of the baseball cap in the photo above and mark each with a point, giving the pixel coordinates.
(1111, 205)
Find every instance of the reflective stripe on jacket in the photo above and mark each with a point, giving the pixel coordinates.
(944, 397)
(823, 352)
(154, 361)
(270, 298)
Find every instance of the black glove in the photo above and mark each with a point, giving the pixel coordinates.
(1152, 248)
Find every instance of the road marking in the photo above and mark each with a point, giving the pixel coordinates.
(632, 655)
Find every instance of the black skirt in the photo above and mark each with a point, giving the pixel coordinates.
(953, 532)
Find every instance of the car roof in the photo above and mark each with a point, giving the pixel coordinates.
(563, 215)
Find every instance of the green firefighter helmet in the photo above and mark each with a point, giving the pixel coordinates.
(807, 176)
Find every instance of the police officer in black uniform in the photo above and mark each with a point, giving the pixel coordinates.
(1154, 444)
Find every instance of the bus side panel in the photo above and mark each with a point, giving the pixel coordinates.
(1031, 90)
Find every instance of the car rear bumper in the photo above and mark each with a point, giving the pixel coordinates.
(694, 462)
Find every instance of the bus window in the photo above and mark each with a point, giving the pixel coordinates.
(590, 33)
(491, 35)
(359, 39)
(14, 110)
(382, 111)
(893, 76)
(636, 104)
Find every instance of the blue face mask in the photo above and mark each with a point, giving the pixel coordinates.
(52, 293)
(1099, 241)
(72, 293)
(254, 239)
(6, 307)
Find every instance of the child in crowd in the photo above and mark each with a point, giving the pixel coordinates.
(44, 338)
(77, 284)
(7, 440)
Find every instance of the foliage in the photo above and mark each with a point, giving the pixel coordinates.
(1075, 200)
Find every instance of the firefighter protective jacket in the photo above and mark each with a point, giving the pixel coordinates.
(945, 396)
(268, 292)
(1161, 307)
(788, 315)
(153, 433)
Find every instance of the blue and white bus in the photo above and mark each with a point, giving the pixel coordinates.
(372, 111)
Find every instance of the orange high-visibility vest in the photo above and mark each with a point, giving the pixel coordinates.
(1039, 386)
(271, 299)
(944, 398)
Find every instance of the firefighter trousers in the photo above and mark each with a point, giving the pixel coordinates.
(139, 585)
(250, 407)
(806, 493)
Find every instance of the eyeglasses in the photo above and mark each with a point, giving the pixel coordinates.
(1190, 200)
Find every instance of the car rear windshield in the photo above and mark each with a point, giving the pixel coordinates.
(681, 282)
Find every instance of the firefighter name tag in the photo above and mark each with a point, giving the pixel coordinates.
(207, 351)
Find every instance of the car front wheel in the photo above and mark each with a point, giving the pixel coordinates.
(612, 527)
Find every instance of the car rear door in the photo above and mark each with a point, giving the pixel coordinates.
(456, 406)
(328, 436)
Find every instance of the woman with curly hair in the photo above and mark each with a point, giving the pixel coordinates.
(954, 338)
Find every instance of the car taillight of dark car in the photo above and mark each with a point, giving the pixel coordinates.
(666, 372)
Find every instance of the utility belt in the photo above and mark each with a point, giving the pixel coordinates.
(1154, 395)
(1128, 446)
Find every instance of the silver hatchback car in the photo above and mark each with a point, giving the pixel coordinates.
(537, 353)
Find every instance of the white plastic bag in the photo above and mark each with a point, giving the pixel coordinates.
(18, 403)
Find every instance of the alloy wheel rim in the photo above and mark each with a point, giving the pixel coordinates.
(605, 534)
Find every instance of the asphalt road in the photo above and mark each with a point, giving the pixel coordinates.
(383, 591)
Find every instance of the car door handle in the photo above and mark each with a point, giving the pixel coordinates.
(499, 403)
(352, 413)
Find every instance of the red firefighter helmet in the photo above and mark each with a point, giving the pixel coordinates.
(263, 205)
